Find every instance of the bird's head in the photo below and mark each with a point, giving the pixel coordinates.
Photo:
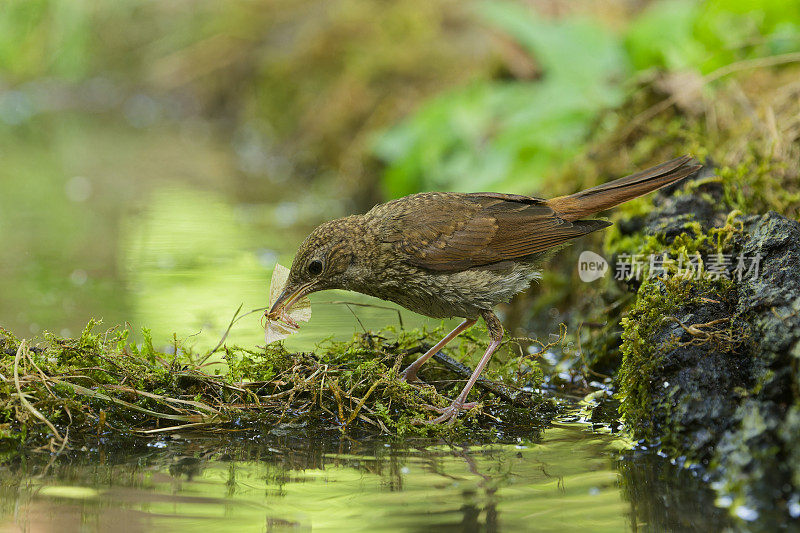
(325, 260)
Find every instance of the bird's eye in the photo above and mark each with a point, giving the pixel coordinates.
(315, 268)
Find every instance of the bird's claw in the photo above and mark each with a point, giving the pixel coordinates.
(448, 414)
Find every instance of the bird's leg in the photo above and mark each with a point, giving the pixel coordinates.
(496, 332)
(410, 373)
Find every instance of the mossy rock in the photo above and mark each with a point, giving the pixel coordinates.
(710, 369)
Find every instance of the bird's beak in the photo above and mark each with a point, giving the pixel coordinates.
(289, 296)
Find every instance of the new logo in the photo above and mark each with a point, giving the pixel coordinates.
(591, 266)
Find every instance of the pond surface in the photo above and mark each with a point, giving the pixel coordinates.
(167, 227)
(566, 479)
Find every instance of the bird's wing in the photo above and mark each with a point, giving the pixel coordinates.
(452, 232)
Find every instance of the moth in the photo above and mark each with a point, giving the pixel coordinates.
(286, 321)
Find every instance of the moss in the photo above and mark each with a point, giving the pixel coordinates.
(659, 296)
(708, 370)
(639, 354)
(250, 365)
(756, 185)
(99, 384)
(644, 345)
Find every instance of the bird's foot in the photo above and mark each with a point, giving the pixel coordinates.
(409, 375)
(448, 414)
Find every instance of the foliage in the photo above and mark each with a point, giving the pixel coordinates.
(704, 36)
(495, 134)
(511, 135)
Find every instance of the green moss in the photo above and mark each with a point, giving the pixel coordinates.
(756, 185)
(98, 383)
(643, 346)
(640, 354)
(657, 298)
(250, 365)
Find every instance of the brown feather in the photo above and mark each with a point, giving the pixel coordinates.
(605, 196)
(456, 231)
(476, 229)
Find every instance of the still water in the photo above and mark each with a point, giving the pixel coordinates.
(163, 228)
(566, 479)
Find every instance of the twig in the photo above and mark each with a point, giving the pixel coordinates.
(165, 399)
(96, 394)
(334, 387)
(356, 317)
(24, 401)
(700, 335)
(361, 402)
(233, 321)
(41, 374)
(583, 358)
(55, 455)
(224, 336)
(461, 369)
(361, 304)
(171, 428)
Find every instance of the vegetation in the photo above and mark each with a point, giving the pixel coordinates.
(702, 363)
(100, 384)
(520, 135)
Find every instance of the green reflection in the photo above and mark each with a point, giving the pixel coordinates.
(565, 481)
(190, 259)
(144, 229)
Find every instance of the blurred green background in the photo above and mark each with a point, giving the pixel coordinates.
(157, 158)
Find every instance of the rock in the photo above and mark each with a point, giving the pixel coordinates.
(731, 399)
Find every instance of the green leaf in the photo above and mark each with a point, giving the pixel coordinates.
(500, 135)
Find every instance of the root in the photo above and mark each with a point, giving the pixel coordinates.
(701, 334)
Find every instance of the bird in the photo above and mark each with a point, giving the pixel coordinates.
(457, 255)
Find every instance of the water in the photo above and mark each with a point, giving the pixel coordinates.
(158, 228)
(568, 479)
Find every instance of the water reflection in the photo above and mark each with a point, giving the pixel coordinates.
(565, 480)
(190, 259)
(160, 230)
(665, 497)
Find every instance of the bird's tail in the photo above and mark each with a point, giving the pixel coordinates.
(608, 195)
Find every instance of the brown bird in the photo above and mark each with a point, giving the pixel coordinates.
(445, 254)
